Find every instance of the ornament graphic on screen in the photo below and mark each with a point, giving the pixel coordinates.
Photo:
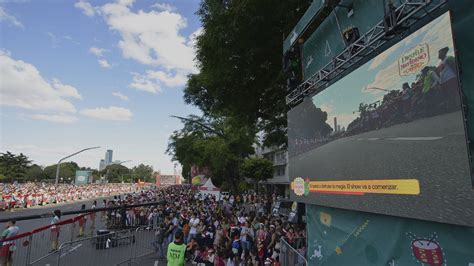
(427, 250)
(298, 186)
(317, 253)
(338, 250)
(325, 218)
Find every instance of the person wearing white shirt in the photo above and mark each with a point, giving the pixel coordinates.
(193, 223)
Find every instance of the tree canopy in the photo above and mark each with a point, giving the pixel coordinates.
(257, 169)
(13, 167)
(143, 172)
(240, 87)
(116, 173)
(239, 56)
(215, 144)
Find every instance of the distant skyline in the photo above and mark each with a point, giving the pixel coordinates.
(77, 74)
(342, 99)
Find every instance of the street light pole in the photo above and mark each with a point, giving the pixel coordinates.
(62, 159)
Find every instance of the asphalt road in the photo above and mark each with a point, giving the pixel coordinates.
(432, 150)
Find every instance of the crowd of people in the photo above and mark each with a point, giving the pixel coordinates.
(194, 227)
(27, 195)
(231, 230)
(238, 230)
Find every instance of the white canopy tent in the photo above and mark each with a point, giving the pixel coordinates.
(209, 189)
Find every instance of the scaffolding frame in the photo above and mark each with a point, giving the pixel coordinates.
(407, 14)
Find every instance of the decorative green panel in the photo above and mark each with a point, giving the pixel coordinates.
(326, 42)
(343, 237)
(302, 23)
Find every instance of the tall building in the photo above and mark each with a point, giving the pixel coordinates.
(102, 165)
(279, 157)
(108, 157)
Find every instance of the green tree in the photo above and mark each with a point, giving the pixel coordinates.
(35, 172)
(217, 144)
(66, 170)
(142, 172)
(239, 57)
(307, 122)
(13, 167)
(115, 173)
(257, 169)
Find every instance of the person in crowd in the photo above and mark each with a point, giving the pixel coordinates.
(176, 251)
(82, 221)
(55, 230)
(158, 243)
(447, 72)
(8, 247)
(92, 217)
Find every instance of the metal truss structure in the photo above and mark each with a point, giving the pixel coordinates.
(407, 14)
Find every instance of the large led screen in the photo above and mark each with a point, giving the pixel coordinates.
(388, 138)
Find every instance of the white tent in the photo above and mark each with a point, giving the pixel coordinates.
(209, 189)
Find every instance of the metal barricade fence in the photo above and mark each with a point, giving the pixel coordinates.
(145, 237)
(15, 250)
(37, 247)
(46, 239)
(291, 256)
(107, 248)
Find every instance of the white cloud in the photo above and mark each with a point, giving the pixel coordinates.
(193, 37)
(386, 79)
(23, 86)
(61, 118)
(66, 91)
(164, 7)
(120, 95)
(151, 38)
(144, 83)
(377, 61)
(86, 8)
(4, 16)
(108, 113)
(54, 39)
(328, 108)
(103, 63)
(97, 51)
(179, 79)
(152, 81)
(69, 38)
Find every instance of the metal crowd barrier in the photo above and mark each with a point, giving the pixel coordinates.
(291, 256)
(107, 248)
(53, 244)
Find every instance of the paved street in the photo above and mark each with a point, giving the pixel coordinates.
(432, 150)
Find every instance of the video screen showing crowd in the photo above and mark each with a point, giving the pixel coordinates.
(397, 117)
(435, 91)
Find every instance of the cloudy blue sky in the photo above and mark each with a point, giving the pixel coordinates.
(76, 74)
(343, 98)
